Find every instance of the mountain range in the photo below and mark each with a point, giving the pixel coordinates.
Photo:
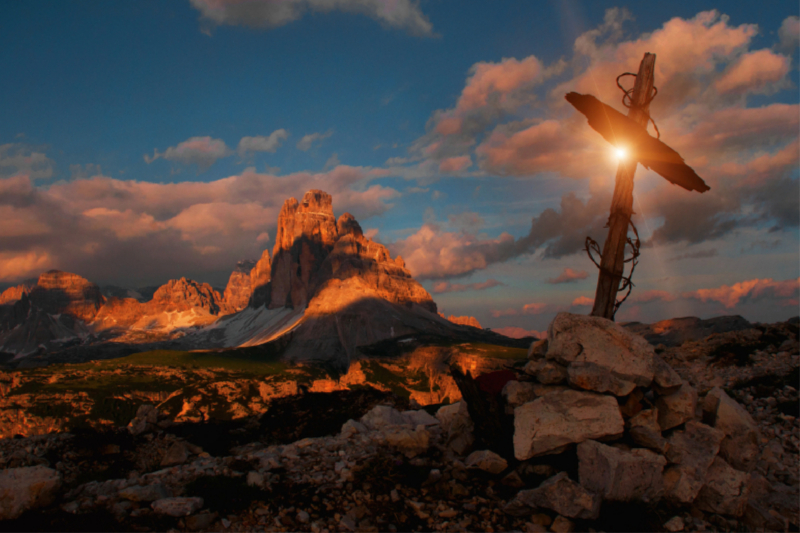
(324, 292)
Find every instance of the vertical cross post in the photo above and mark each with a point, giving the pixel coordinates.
(612, 262)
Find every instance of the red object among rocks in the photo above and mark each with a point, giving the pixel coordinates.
(493, 382)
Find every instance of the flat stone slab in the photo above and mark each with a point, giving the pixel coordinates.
(619, 475)
(562, 495)
(564, 417)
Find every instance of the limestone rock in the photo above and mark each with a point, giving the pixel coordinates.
(562, 495)
(63, 292)
(486, 460)
(411, 442)
(590, 339)
(726, 490)
(238, 291)
(563, 417)
(740, 448)
(456, 422)
(382, 416)
(183, 295)
(144, 493)
(546, 372)
(419, 418)
(645, 431)
(517, 393)
(619, 475)
(14, 294)
(665, 379)
(260, 276)
(177, 507)
(177, 454)
(593, 377)
(26, 488)
(691, 452)
(306, 235)
(676, 408)
(537, 349)
(465, 321)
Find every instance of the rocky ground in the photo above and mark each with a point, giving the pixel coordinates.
(672, 452)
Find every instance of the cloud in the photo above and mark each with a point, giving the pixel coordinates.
(527, 309)
(582, 301)
(261, 143)
(454, 165)
(745, 291)
(112, 230)
(569, 276)
(20, 159)
(651, 296)
(518, 333)
(755, 72)
(16, 266)
(85, 171)
(398, 14)
(432, 253)
(200, 151)
(445, 286)
(700, 254)
(789, 34)
(305, 143)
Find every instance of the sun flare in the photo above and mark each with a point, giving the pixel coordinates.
(620, 153)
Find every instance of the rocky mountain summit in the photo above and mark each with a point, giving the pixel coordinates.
(604, 434)
(325, 291)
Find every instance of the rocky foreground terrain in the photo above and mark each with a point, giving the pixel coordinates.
(604, 432)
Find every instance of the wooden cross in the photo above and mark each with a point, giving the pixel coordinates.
(629, 134)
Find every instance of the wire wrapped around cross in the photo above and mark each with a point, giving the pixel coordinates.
(591, 245)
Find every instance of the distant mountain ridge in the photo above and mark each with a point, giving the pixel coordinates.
(326, 290)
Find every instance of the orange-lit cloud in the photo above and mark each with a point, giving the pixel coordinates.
(755, 72)
(527, 309)
(569, 275)
(15, 266)
(582, 301)
(445, 286)
(455, 164)
(651, 296)
(731, 296)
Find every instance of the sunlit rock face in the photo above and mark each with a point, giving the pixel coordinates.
(306, 234)
(59, 292)
(239, 288)
(465, 321)
(119, 313)
(184, 294)
(368, 270)
(260, 281)
(14, 294)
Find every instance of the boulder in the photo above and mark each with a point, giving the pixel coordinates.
(564, 417)
(560, 494)
(593, 377)
(590, 339)
(457, 424)
(411, 442)
(676, 408)
(537, 349)
(619, 475)
(645, 431)
(419, 418)
(665, 379)
(26, 488)
(177, 507)
(518, 392)
(381, 416)
(486, 460)
(177, 454)
(144, 493)
(740, 447)
(351, 427)
(691, 452)
(726, 490)
(546, 372)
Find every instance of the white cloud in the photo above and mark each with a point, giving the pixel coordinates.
(261, 143)
(305, 143)
(200, 151)
(19, 159)
(398, 14)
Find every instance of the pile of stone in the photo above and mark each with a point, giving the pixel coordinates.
(642, 434)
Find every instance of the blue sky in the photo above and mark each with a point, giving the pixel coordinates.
(240, 105)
